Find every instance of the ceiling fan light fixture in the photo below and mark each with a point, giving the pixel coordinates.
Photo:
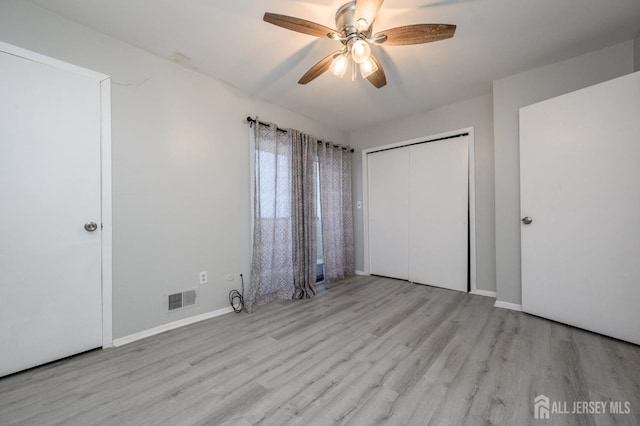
(362, 24)
(367, 68)
(354, 30)
(339, 65)
(360, 50)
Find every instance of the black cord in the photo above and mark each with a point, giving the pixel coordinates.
(236, 298)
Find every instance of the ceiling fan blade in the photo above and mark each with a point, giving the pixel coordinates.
(318, 69)
(378, 78)
(368, 10)
(300, 25)
(415, 34)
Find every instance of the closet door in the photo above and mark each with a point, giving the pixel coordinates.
(439, 212)
(389, 213)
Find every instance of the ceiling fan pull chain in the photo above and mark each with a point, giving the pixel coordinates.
(354, 73)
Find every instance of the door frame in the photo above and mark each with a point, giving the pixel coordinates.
(105, 176)
(472, 194)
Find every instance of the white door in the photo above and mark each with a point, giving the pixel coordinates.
(388, 194)
(580, 185)
(50, 282)
(439, 212)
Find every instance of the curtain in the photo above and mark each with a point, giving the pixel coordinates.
(272, 262)
(304, 213)
(285, 224)
(336, 212)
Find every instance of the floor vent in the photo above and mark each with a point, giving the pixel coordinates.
(182, 300)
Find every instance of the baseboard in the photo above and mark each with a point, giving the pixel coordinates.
(170, 326)
(507, 305)
(485, 293)
(362, 273)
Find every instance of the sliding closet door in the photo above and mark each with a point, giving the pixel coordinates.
(439, 211)
(389, 213)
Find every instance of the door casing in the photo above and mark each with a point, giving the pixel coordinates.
(105, 176)
(472, 196)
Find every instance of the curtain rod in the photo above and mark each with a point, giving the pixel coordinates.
(252, 121)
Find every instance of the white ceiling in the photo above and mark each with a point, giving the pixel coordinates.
(228, 40)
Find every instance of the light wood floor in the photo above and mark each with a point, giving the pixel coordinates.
(368, 351)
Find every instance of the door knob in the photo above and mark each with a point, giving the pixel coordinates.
(90, 227)
(527, 220)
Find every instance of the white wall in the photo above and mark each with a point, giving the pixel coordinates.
(180, 167)
(509, 95)
(477, 113)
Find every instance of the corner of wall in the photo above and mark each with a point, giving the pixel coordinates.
(636, 53)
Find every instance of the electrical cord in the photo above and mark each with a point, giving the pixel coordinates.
(236, 298)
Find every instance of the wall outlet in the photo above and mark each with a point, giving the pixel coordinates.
(203, 277)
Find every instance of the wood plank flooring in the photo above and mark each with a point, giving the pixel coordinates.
(368, 351)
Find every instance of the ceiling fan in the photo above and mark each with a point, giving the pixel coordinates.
(354, 23)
